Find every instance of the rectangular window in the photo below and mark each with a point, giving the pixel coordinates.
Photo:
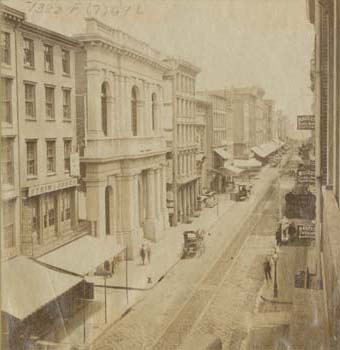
(30, 101)
(31, 158)
(6, 100)
(50, 156)
(28, 53)
(7, 162)
(67, 104)
(65, 205)
(66, 61)
(49, 211)
(67, 154)
(8, 224)
(49, 96)
(5, 48)
(48, 56)
(35, 215)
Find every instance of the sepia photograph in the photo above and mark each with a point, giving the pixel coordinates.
(170, 174)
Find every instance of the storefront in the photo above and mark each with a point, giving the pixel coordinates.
(50, 212)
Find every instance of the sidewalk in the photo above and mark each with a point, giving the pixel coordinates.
(165, 255)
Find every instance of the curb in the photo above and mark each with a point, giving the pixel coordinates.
(276, 301)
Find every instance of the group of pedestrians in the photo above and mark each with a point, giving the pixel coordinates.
(145, 252)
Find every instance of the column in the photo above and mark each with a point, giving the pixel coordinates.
(127, 109)
(94, 124)
(58, 216)
(113, 205)
(185, 202)
(74, 208)
(158, 192)
(150, 230)
(163, 198)
(95, 207)
(117, 114)
(147, 122)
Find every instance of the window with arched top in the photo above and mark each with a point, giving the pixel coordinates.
(104, 100)
(134, 116)
(154, 110)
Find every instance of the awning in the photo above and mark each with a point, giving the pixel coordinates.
(223, 153)
(27, 286)
(265, 150)
(232, 170)
(247, 163)
(83, 255)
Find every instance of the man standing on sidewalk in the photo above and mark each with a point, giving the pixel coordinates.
(148, 252)
(267, 269)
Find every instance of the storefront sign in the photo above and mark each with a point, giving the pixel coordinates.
(306, 122)
(37, 190)
(305, 177)
(306, 231)
(75, 168)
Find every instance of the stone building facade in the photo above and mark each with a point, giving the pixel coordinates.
(179, 85)
(325, 78)
(219, 136)
(40, 98)
(120, 111)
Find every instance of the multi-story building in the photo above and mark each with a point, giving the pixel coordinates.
(269, 122)
(325, 75)
(179, 85)
(120, 112)
(219, 136)
(281, 124)
(10, 189)
(47, 135)
(203, 118)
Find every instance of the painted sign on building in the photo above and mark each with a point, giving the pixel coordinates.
(306, 122)
(305, 176)
(306, 231)
(46, 188)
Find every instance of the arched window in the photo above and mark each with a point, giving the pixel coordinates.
(154, 106)
(104, 108)
(134, 115)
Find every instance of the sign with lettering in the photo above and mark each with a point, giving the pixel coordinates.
(305, 176)
(40, 189)
(306, 231)
(74, 164)
(306, 122)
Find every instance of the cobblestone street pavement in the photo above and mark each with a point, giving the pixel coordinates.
(166, 315)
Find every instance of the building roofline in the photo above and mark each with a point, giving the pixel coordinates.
(12, 13)
(177, 62)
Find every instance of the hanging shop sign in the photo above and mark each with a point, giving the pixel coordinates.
(306, 231)
(40, 189)
(306, 122)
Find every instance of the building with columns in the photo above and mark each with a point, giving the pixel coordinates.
(120, 116)
(180, 124)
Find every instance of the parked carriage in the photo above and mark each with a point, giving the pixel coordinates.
(193, 243)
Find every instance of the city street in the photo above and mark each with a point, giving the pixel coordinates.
(169, 312)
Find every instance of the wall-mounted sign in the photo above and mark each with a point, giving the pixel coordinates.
(40, 189)
(74, 164)
(306, 122)
(305, 177)
(306, 231)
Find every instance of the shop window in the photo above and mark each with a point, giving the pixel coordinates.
(7, 162)
(8, 224)
(5, 48)
(51, 157)
(35, 215)
(30, 101)
(6, 100)
(134, 113)
(28, 53)
(66, 61)
(49, 103)
(154, 109)
(48, 58)
(65, 205)
(31, 147)
(49, 211)
(67, 104)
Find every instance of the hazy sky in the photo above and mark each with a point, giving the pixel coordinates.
(235, 42)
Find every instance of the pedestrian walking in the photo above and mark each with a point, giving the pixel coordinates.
(148, 252)
(267, 269)
(142, 253)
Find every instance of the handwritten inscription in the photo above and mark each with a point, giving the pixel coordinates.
(85, 8)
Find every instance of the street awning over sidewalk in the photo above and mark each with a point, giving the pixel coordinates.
(27, 286)
(247, 163)
(223, 153)
(232, 170)
(266, 149)
(83, 255)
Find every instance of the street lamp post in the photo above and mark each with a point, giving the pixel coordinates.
(275, 259)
